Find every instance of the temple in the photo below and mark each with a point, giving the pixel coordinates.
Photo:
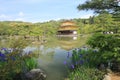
(67, 28)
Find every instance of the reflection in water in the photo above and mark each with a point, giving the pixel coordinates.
(52, 54)
(54, 67)
(68, 43)
(51, 61)
(67, 38)
(75, 38)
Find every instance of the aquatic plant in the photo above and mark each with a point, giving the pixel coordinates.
(13, 62)
(86, 73)
(72, 66)
(65, 62)
(83, 65)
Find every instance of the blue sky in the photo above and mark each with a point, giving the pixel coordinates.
(41, 10)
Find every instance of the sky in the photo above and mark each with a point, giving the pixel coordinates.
(41, 10)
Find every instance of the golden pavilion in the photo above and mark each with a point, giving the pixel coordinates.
(67, 28)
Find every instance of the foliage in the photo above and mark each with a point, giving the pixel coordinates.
(85, 57)
(13, 61)
(104, 22)
(108, 46)
(84, 65)
(25, 28)
(100, 5)
(86, 73)
(30, 63)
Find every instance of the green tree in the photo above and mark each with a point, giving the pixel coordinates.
(107, 9)
(104, 21)
(108, 46)
(101, 5)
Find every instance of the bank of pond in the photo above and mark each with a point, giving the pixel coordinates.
(60, 58)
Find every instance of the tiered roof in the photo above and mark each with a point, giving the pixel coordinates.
(68, 25)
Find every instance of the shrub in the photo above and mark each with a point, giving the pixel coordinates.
(86, 73)
(87, 57)
(84, 65)
(108, 46)
(13, 61)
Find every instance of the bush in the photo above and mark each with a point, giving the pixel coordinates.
(108, 46)
(86, 73)
(85, 62)
(13, 61)
(84, 57)
(84, 65)
(104, 42)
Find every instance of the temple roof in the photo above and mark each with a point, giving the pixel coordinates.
(68, 28)
(67, 25)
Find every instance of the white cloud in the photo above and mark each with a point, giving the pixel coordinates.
(21, 14)
(36, 0)
(86, 16)
(4, 17)
(19, 19)
(32, 1)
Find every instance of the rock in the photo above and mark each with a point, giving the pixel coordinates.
(35, 74)
(101, 66)
(116, 66)
(66, 79)
(107, 77)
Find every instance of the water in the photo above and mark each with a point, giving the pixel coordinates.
(53, 54)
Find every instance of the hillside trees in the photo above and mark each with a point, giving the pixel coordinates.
(12, 28)
(104, 22)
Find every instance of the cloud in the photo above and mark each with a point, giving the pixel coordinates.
(32, 1)
(86, 16)
(4, 17)
(19, 19)
(37, 0)
(21, 14)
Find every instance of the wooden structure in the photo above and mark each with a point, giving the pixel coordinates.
(67, 28)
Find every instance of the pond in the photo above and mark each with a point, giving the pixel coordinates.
(53, 53)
